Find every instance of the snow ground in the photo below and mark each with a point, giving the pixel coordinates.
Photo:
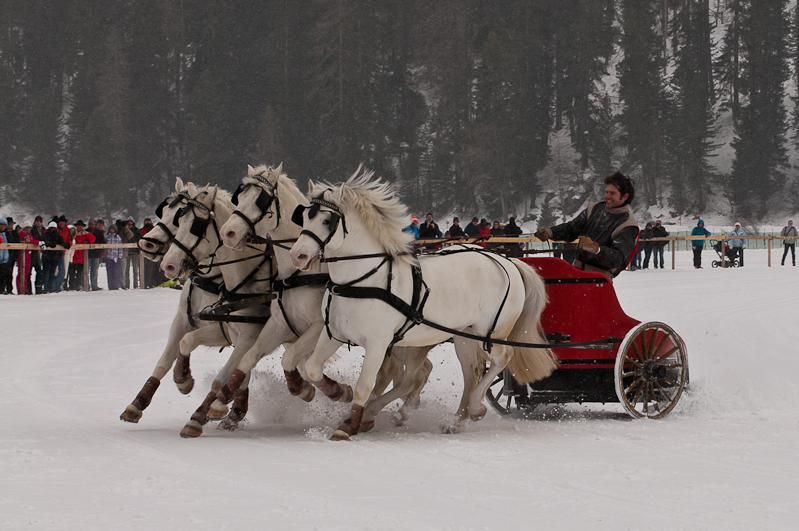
(724, 459)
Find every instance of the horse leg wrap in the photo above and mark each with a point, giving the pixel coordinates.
(144, 397)
(334, 390)
(350, 426)
(182, 370)
(225, 395)
(298, 386)
(201, 415)
(241, 401)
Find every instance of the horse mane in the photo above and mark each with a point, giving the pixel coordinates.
(374, 202)
(223, 200)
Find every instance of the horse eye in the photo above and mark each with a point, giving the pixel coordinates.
(326, 222)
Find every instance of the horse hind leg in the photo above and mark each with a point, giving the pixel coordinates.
(241, 402)
(211, 336)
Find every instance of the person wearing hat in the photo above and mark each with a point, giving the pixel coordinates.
(697, 246)
(738, 244)
(37, 232)
(644, 242)
(606, 231)
(132, 263)
(95, 255)
(413, 228)
(52, 259)
(82, 236)
(789, 231)
(7, 258)
(112, 258)
(24, 286)
(472, 230)
(61, 274)
(456, 231)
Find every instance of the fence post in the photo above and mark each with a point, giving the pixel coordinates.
(768, 242)
(21, 274)
(673, 252)
(86, 282)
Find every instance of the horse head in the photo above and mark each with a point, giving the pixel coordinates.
(153, 245)
(257, 206)
(197, 237)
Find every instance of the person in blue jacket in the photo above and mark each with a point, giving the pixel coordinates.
(413, 228)
(698, 245)
(738, 244)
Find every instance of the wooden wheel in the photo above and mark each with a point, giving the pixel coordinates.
(651, 370)
(505, 399)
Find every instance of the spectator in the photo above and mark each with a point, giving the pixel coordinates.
(6, 265)
(787, 232)
(738, 244)
(37, 232)
(12, 236)
(636, 263)
(698, 245)
(112, 258)
(76, 267)
(24, 285)
(659, 231)
(496, 230)
(429, 230)
(644, 239)
(512, 229)
(125, 235)
(607, 230)
(472, 230)
(61, 274)
(413, 228)
(148, 279)
(132, 264)
(52, 259)
(96, 229)
(456, 231)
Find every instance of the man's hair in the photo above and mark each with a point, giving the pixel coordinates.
(624, 184)
(37, 218)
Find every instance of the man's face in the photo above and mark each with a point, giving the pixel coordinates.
(613, 198)
(148, 221)
(474, 222)
(62, 224)
(790, 223)
(3, 227)
(92, 225)
(429, 218)
(37, 223)
(130, 224)
(657, 223)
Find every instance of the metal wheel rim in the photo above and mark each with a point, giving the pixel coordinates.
(639, 388)
(496, 399)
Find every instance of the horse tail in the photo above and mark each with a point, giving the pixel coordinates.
(530, 364)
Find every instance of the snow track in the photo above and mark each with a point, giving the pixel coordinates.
(724, 459)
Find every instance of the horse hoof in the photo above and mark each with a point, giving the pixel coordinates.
(479, 416)
(131, 414)
(308, 393)
(346, 396)
(400, 417)
(228, 424)
(218, 411)
(339, 435)
(366, 425)
(186, 386)
(191, 430)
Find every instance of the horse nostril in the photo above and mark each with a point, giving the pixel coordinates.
(231, 234)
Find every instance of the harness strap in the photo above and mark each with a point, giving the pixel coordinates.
(296, 281)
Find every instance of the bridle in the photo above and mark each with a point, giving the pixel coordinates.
(199, 227)
(159, 211)
(336, 216)
(263, 202)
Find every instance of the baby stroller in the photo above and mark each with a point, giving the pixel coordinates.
(729, 257)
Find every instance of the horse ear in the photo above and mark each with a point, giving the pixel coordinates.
(212, 194)
(274, 175)
(310, 186)
(250, 171)
(178, 184)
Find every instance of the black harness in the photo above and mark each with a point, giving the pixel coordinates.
(263, 202)
(169, 202)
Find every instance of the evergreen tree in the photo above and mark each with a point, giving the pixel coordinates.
(760, 128)
(642, 90)
(691, 115)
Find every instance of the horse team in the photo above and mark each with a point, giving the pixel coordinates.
(273, 267)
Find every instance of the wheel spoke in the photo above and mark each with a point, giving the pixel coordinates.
(632, 361)
(637, 352)
(660, 346)
(629, 374)
(669, 380)
(507, 404)
(673, 366)
(668, 353)
(668, 397)
(644, 347)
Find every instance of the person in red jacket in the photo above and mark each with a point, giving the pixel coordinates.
(76, 267)
(24, 286)
(61, 273)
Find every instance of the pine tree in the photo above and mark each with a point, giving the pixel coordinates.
(760, 153)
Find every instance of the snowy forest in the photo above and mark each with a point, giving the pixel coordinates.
(507, 107)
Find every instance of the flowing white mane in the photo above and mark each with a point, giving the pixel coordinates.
(375, 204)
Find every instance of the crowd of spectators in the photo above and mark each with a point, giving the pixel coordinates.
(429, 230)
(51, 270)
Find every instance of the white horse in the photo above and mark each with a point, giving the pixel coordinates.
(201, 291)
(246, 274)
(492, 297)
(266, 200)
